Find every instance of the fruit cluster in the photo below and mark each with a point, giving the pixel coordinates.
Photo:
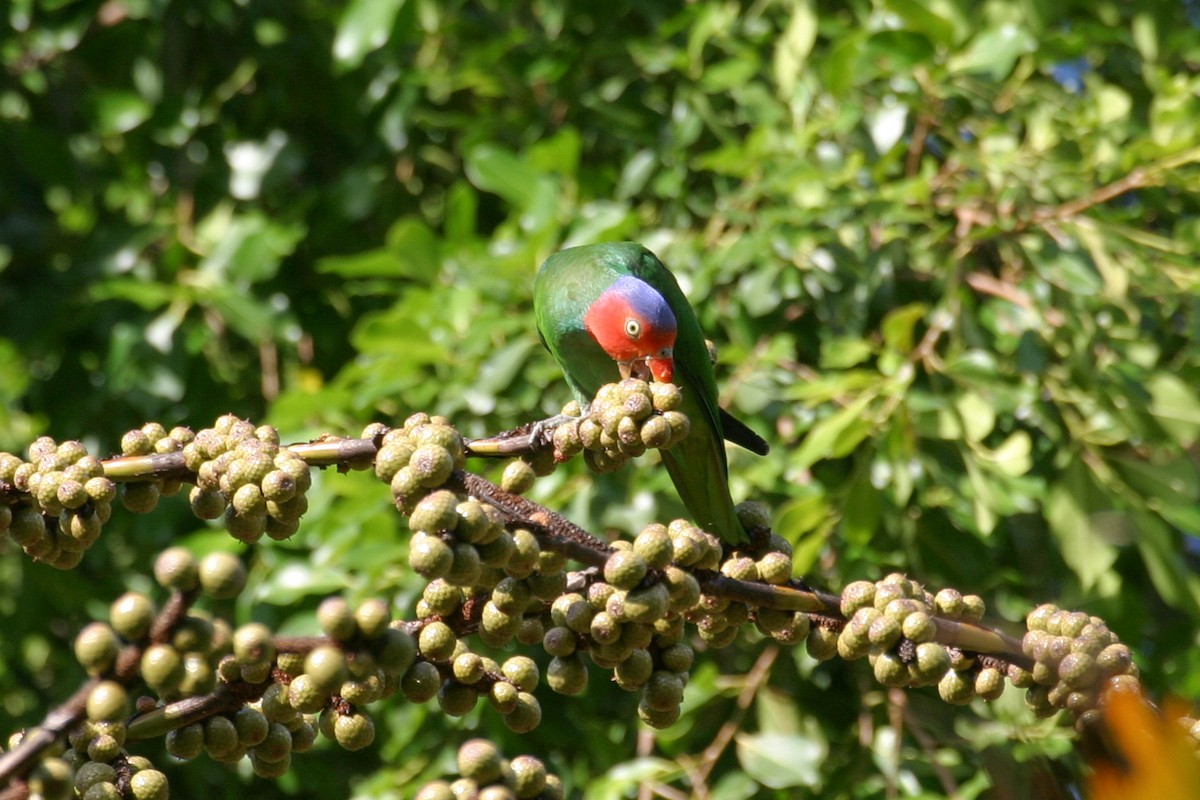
(244, 474)
(63, 502)
(893, 623)
(1076, 658)
(417, 458)
(487, 775)
(624, 420)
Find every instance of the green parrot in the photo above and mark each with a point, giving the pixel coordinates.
(608, 311)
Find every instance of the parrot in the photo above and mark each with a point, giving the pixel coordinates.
(612, 310)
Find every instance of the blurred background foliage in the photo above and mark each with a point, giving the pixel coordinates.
(947, 251)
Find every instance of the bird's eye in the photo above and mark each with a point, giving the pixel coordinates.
(633, 328)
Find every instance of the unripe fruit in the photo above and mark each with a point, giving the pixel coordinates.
(567, 675)
(918, 627)
(252, 726)
(186, 742)
(162, 668)
(525, 715)
(931, 663)
(432, 465)
(140, 498)
(421, 682)
(435, 513)
(107, 702)
(96, 647)
(528, 777)
(252, 644)
(522, 672)
(989, 683)
(646, 604)
(336, 619)
(480, 761)
(222, 575)
(176, 568)
(856, 595)
(956, 688)
(149, 784)
(325, 665)
(131, 615)
(624, 569)
(518, 477)
(354, 731)
(890, 670)
(949, 603)
(653, 544)
(436, 641)
(429, 556)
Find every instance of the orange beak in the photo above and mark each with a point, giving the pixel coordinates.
(662, 368)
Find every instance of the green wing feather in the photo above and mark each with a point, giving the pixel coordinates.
(567, 284)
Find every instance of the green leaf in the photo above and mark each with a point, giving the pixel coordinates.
(1069, 506)
(1176, 583)
(835, 434)
(118, 111)
(793, 47)
(364, 27)
(782, 761)
(1176, 406)
(898, 327)
(994, 51)
(844, 352)
(494, 169)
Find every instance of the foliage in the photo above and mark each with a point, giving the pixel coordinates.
(945, 251)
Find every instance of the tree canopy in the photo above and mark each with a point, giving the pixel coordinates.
(946, 251)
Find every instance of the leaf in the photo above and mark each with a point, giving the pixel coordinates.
(494, 169)
(844, 352)
(782, 761)
(119, 111)
(830, 434)
(1068, 507)
(994, 51)
(1176, 583)
(898, 327)
(794, 46)
(364, 27)
(1176, 406)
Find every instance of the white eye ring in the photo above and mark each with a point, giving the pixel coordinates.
(633, 328)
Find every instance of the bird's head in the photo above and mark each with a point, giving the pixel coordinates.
(633, 324)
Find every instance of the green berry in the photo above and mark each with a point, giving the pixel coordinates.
(435, 513)
(354, 731)
(176, 568)
(162, 668)
(131, 615)
(186, 742)
(437, 641)
(325, 666)
(528, 777)
(624, 569)
(518, 477)
(107, 702)
(140, 498)
(222, 575)
(525, 715)
(421, 682)
(252, 726)
(96, 648)
(956, 688)
(567, 675)
(149, 784)
(480, 761)
(522, 672)
(336, 619)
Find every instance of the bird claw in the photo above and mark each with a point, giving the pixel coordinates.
(542, 432)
